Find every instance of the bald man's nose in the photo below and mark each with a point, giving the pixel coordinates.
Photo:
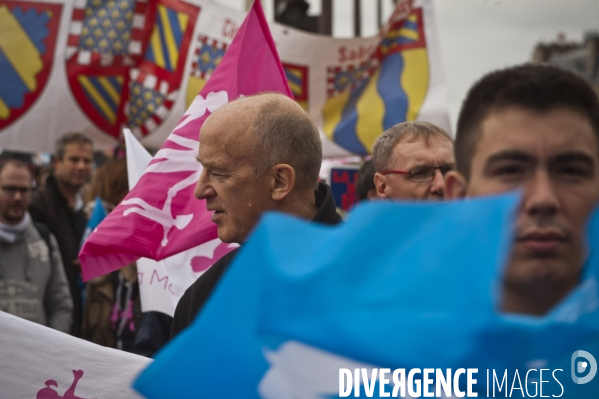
(203, 188)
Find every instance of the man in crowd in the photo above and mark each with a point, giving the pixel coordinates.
(534, 128)
(32, 280)
(411, 160)
(59, 206)
(259, 153)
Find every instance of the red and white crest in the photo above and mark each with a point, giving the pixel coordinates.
(125, 60)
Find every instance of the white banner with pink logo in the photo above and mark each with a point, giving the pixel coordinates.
(42, 363)
(162, 283)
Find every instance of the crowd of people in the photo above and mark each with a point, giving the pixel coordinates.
(534, 128)
(42, 228)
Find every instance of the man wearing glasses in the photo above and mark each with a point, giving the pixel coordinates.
(411, 160)
(33, 284)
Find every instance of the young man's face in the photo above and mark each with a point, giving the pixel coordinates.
(553, 158)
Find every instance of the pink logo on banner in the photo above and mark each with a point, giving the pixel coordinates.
(50, 393)
(161, 217)
(202, 263)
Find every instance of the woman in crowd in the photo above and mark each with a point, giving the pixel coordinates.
(112, 308)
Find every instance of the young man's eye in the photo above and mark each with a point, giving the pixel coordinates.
(573, 171)
(509, 170)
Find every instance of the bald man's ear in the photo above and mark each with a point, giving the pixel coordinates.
(283, 181)
(380, 184)
(455, 185)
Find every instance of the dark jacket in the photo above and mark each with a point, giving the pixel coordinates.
(109, 320)
(153, 333)
(48, 206)
(196, 295)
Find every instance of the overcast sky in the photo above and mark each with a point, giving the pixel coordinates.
(476, 36)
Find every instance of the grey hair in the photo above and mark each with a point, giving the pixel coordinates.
(70, 138)
(284, 135)
(382, 151)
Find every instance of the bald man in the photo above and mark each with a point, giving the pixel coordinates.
(259, 153)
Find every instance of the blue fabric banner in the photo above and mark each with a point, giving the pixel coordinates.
(400, 285)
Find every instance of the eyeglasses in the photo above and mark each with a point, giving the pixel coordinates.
(11, 191)
(422, 174)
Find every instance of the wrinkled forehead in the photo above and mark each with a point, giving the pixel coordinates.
(423, 150)
(225, 140)
(232, 122)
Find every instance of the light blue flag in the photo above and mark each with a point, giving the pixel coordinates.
(399, 285)
(98, 214)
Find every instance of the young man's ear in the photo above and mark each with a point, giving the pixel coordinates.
(283, 181)
(455, 185)
(380, 184)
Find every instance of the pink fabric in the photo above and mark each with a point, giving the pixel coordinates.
(160, 217)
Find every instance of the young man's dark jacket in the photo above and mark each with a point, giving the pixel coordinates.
(196, 295)
(50, 207)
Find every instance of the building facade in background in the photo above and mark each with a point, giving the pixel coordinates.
(580, 58)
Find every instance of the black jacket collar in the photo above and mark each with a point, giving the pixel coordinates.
(327, 210)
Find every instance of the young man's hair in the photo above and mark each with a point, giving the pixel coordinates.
(382, 150)
(538, 88)
(70, 138)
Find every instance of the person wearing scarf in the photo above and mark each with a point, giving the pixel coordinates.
(32, 280)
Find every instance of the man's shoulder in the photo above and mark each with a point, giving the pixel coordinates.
(327, 209)
(38, 198)
(198, 293)
(210, 278)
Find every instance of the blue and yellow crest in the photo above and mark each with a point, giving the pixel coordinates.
(297, 78)
(390, 88)
(27, 40)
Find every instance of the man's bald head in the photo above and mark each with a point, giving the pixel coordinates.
(270, 129)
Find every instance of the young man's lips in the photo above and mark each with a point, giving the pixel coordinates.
(541, 241)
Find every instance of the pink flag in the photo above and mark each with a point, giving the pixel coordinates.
(161, 217)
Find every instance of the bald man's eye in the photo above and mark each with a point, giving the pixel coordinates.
(219, 176)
